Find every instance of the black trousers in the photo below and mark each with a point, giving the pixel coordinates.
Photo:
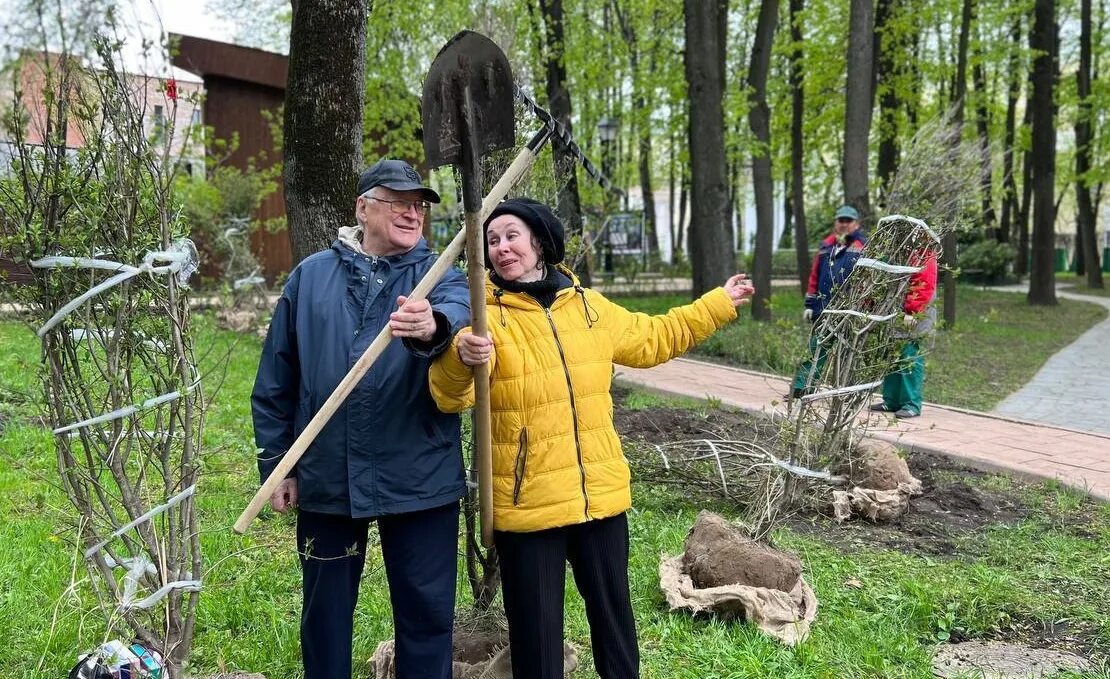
(533, 572)
(420, 552)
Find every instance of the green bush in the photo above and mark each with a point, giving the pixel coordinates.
(987, 261)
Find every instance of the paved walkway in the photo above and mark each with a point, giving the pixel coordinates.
(1072, 388)
(987, 441)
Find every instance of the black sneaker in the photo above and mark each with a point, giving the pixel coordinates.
(881, 408)
(905, 414)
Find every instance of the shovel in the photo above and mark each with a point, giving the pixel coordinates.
(467, 110)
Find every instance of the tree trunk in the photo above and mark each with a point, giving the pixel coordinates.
(1086, 246)
(759, 118)
(886, 76)
(558, 99)
(857, 109)
(683, 196)
(797, 151)
(323, 119)
(1022, 265)
(982, 123)
(672, 205)
(711, 248)
(1009, 183)
(959, 97)
(1042, 278)
(786, 238)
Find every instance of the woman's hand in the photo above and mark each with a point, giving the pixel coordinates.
(739, 289)
(474, 350)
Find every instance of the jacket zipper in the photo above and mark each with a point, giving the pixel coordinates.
(573, 409)
(521, 465)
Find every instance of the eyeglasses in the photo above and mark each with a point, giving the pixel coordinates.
(400, 207)
(845, 220)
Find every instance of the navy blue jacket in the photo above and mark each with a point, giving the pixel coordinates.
(388, 449)
(831, 267)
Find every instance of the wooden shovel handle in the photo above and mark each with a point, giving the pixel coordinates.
(480, 417)
(446, 260)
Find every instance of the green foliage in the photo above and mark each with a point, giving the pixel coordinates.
(987, 261)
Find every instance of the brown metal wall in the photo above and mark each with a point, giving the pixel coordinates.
(232, 106)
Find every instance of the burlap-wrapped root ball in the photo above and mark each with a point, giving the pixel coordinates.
(725, 571)
(881, 484)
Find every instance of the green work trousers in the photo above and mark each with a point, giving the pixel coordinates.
(902, 388)
(808, 375)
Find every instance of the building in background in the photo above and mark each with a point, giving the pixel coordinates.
(244, 92)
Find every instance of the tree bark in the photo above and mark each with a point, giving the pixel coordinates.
(1009, 183)
(1042, 278)
(1087, 246)
(643, 121)
(886, 76)
(797, 150)
(558, 99)
(982, 124)
(1022, 265)
(323, 119)
(857, 109)
(759, 119)
(959, 97)
(711, 247)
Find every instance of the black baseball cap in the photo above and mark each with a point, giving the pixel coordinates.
(396, 175)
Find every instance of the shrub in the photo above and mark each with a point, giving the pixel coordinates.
(987, 261)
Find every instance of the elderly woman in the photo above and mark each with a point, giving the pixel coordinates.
(560, 481)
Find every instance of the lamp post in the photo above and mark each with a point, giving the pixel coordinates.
(607, 129)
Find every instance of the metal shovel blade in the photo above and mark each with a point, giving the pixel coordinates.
(469, 60)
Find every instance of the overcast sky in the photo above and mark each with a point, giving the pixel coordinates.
(141, 19)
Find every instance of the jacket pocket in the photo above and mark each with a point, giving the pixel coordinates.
(521, 465)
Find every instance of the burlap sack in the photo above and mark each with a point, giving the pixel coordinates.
(874, 505)
(785, 616)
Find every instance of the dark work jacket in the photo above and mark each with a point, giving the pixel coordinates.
(388, 449)
(831, 268)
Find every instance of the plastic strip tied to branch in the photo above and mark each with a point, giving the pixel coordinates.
(138, 567)
(868, 263)
(172, 502)
(912, 220)
(181, 260)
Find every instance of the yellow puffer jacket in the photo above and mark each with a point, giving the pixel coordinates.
(557, 459)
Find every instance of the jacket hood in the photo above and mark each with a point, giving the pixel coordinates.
(417, 255)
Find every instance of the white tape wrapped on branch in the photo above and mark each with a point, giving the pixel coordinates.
(868, 263)
(829, 393)
(912, 220)
(860, 314)
(125, 412)
(136, 567)
(103, 336)
(172, 502)
(181, 259)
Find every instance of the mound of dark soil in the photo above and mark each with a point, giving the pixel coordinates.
(949, 508)
(473, 647)
(719, 554)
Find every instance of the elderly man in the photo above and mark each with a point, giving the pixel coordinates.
(835, 260)
(388, 455)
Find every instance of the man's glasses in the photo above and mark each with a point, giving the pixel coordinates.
(845, 220)
(401, 207)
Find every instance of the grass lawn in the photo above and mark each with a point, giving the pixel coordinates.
(882, 611)
(1069, 282)
(998, 344)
